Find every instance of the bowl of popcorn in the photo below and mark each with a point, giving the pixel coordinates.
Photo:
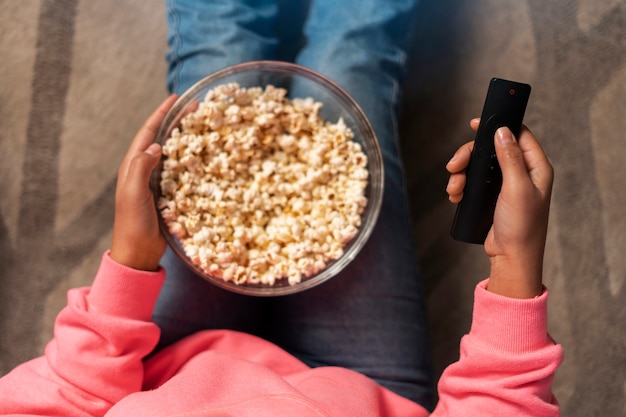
(271, 178)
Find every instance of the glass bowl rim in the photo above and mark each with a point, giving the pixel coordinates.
(375, 183)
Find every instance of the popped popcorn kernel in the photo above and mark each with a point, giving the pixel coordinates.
(259, 188)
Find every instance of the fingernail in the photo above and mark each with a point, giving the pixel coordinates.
(154, 149)
(505, 136)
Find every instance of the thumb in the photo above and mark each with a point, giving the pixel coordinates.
(510, 157)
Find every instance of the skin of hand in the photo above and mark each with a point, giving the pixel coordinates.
(137, 241)
(516, 242)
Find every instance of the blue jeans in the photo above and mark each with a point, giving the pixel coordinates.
(371, 318)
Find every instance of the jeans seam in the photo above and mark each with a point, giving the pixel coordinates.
(175, 61)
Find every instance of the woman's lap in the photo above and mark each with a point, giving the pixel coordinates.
(369, 318)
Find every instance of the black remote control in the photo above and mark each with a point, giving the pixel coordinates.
(504, 106)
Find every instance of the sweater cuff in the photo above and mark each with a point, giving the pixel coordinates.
(510, 325)
(125, 292)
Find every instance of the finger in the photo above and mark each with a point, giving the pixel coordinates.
(462, 152)
(148, 131)
(539, 167)
(455, 187)
(146, 134)
(461, 158)
(455, 199)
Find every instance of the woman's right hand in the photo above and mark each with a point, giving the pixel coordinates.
(137, 241)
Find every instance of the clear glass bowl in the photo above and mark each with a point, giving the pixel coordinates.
(299, 82)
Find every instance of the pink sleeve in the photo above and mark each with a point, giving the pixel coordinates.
(507, 361)
(95, 358)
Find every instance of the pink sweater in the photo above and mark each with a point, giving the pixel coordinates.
(94, 365)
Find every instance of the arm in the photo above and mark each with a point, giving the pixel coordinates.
(95, 358)
(105, 331)
(508, 360)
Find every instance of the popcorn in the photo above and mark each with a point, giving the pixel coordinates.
(259, 188)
